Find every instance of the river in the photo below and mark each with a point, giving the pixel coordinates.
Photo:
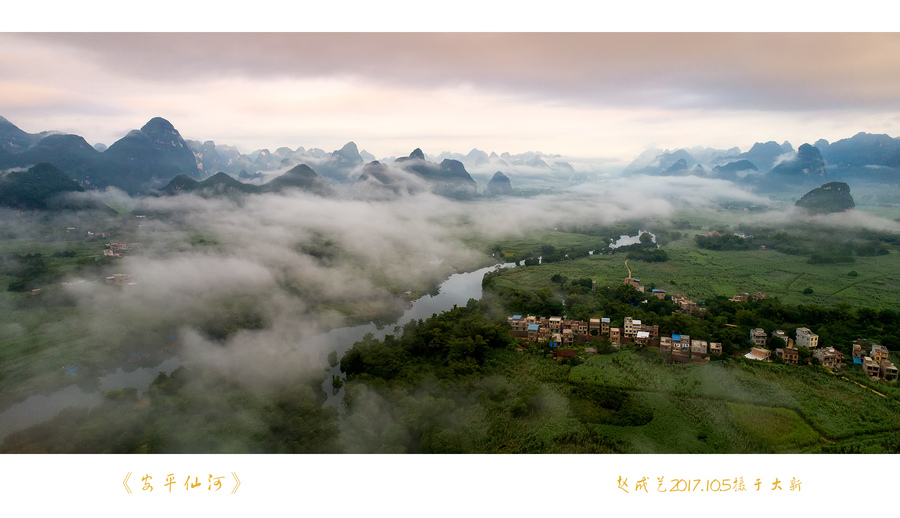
(456, 290)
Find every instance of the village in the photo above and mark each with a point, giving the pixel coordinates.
(563, 335)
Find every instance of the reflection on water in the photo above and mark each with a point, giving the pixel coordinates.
(630, 240)
(39, 408)
(457, 290)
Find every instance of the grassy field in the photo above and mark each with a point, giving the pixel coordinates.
(700, 274)
(738, 406)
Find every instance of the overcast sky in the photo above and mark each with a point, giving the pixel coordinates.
(577, 94)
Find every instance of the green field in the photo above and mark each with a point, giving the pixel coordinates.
(737, 406)
(700, 274)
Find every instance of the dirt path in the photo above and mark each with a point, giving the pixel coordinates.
(629, 269)
(792, 281)
(867, 279)
(863, 386)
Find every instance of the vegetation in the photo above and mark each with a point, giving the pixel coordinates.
(190, 411)
(831, 197)
(34, 188)
(780, 270)
(404, 399)
(457, 383)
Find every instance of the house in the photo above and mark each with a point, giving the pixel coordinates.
(594, 325)
(642, 337)
(564, 353)
(533, 332)
(806, 338)
(743, 297)
(636, 283)
(665, 344)
(888, 370)
(758, 337)
(615, 335)
(604, 326)
(629, 326)
(879, 353)
(517, 323)
(858, 353)
(788, 355)
(758, 353)
(871, 367)
(831, 358)
(715, 348)
(781, 334)
(581, 328)
(699, 347)
(555, 324)
(555, 339)
(687, 305)
(660, 294)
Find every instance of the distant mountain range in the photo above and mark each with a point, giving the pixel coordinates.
(449, 178)
(220, 184)
(138, 161)
(156, 157)
(864, 158)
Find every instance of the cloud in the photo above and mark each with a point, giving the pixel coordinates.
(760, 71)
(578, 94)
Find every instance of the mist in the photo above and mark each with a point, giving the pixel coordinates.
(245, 287)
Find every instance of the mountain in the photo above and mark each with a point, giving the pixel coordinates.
(206, 156)
(221, 184)
(244, 175)
(807, 166)
(70, 153)
(860, 150)
(386, 181)
(764, 155)
(340, 165)
(15, 140)
(35, 188)
(449, 179)
(154, 154)
(499, 185)
(300, 177)
(736, 167)
(218, 184)
(831, 197)
(734, 171)
(349, 155)
(179, 184)
(679, 168)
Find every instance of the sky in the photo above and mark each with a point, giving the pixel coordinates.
(588, 95)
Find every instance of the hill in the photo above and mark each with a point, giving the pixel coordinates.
(499, 185)
(300, 177)
(449, 179)
(221, 184)
(831, 197)
(154, 154)
(35, 188)
(807, 166)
